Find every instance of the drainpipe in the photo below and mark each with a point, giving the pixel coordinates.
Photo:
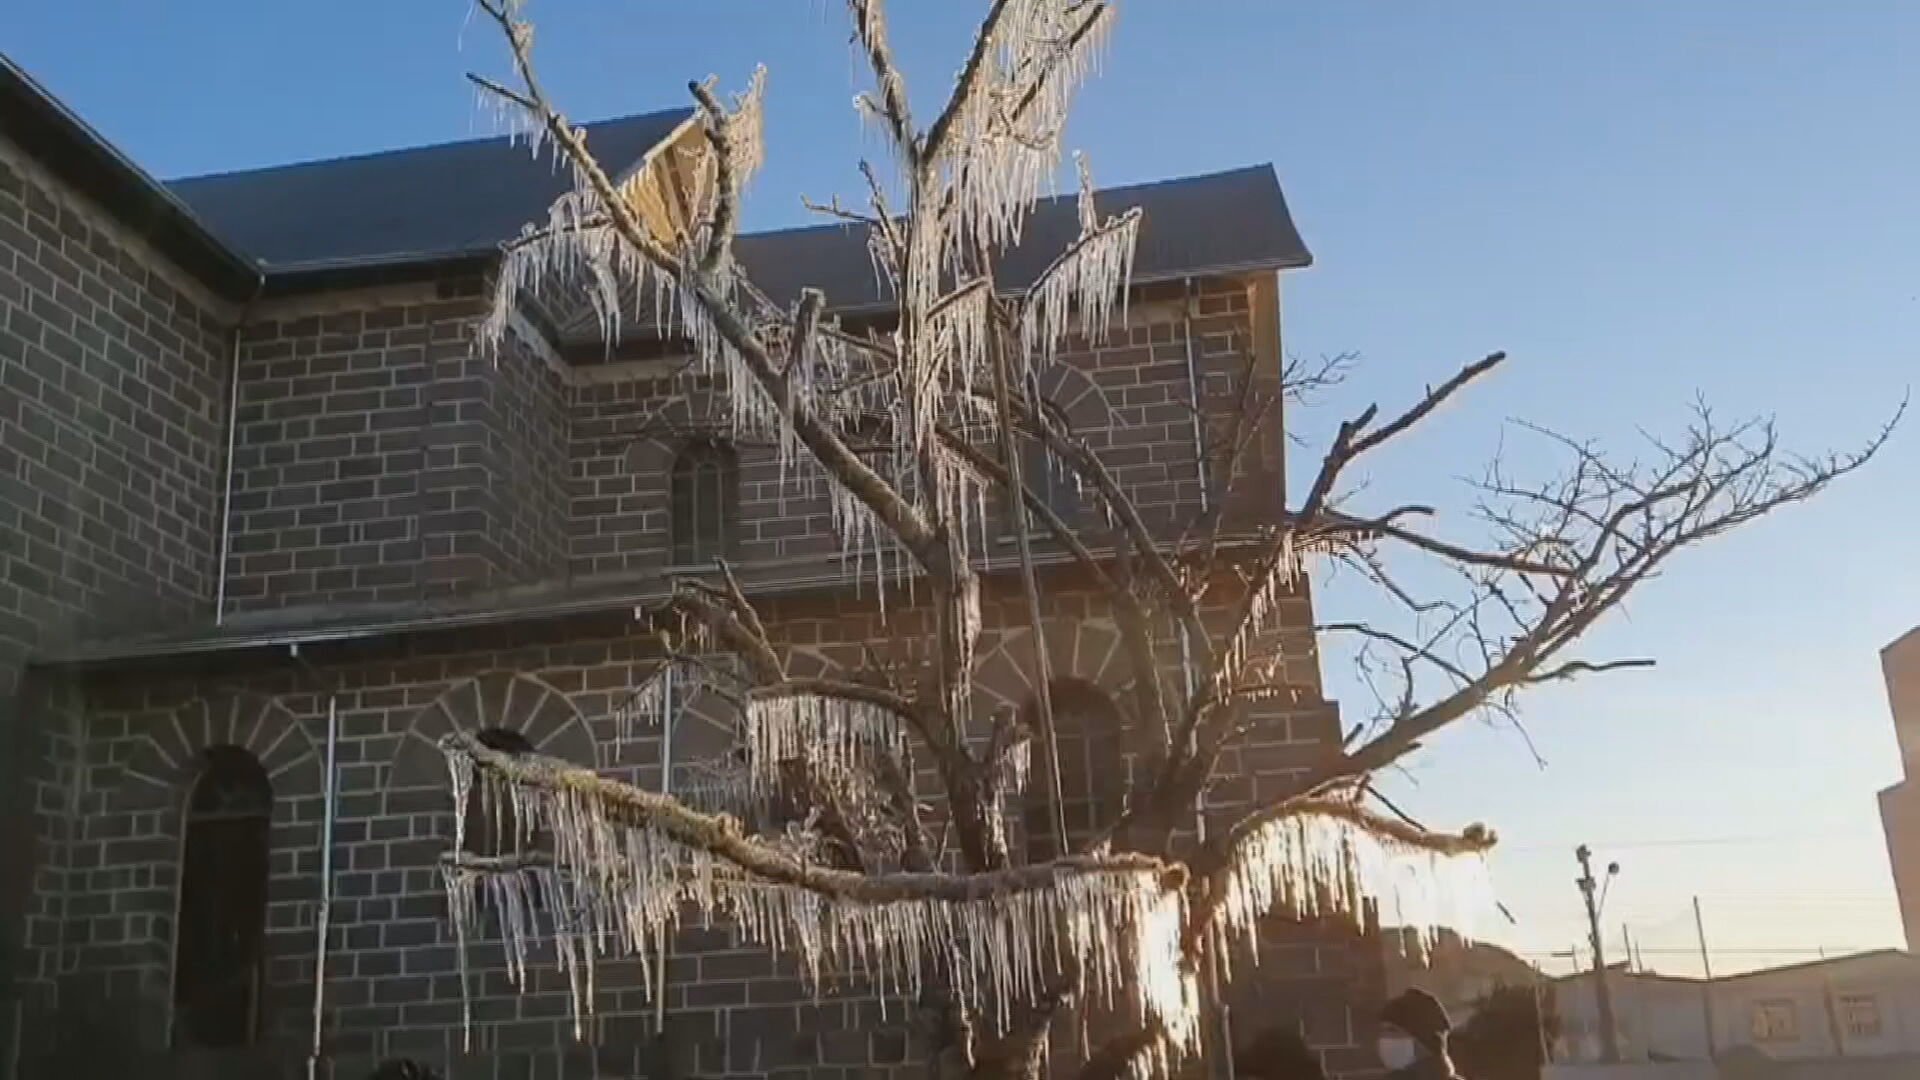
(323, 921)
(667, 705)
(233, 431)
(1193, 391)
(1186, 647)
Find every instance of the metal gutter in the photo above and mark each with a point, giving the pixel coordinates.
(108, 654)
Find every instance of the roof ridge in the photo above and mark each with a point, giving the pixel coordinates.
(418, 148)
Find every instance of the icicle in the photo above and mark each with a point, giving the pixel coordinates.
(671, 685)
(833, 734)
(460, 888)
(460, 772)
(1314, 865)
(1264, 603)
(1016, 766)
(621, 883)
(966, 635)
(1087, 279)
(1089, 217)
(1006, 140)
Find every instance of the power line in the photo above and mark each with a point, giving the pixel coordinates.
(1702, 841)
(1774, 950)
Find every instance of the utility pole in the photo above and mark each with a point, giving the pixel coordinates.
(1706, 984)
(1603, 994)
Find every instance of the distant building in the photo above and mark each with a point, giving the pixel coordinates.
(1460, 973)
(1900, 804)
(1861, 1005)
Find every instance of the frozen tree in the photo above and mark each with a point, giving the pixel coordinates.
(814, 837)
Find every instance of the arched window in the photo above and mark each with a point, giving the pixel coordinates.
(705, 502)
(493, 831)
(219, 954)
(1091, 737)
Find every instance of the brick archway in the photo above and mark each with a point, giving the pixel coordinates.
(1089, 677)
(1087, 650)
(507, 700)
(167, 759)
(1077, 395)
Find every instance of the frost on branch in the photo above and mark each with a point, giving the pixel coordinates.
(1272, 579)
(579, 250)
(1003, 146)
(624, 862)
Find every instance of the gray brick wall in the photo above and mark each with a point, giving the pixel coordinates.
(529, 466)
(112, 377)
(378, 459)
(1129, 396)
(383, 459)
(112, 384)
(392, 988)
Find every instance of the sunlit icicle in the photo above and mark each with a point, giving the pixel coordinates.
(1086, 281)
(1264, 603)
(1317, 865)
(1006, 139)
(831, 733)
(619, 883)
(670, 685)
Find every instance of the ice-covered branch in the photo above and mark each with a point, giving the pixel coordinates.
(1312, 856)
(605, 800)
(1087, 279)
(870, 26)
(708, 305)
(831, 724)
(734, 142)
(720, 618)
(625, 860)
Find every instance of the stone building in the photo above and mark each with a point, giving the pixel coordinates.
(1900, 803)
(257, 487)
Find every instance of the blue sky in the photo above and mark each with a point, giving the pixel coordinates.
(1637, 200)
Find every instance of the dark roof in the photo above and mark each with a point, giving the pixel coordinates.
(1217, 223)
(65, 145)
(421, 204)
(351, 221)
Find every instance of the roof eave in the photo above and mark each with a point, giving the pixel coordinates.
(81, 157)
(304, 279)
(805, 576)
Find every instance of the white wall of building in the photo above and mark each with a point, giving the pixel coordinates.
(1860, 1006)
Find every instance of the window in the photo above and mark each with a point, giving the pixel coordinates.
(1090, 735)
(704, 503)
(219, 952)
(1776, 1020)
(492, 831)
(1860, 1015)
